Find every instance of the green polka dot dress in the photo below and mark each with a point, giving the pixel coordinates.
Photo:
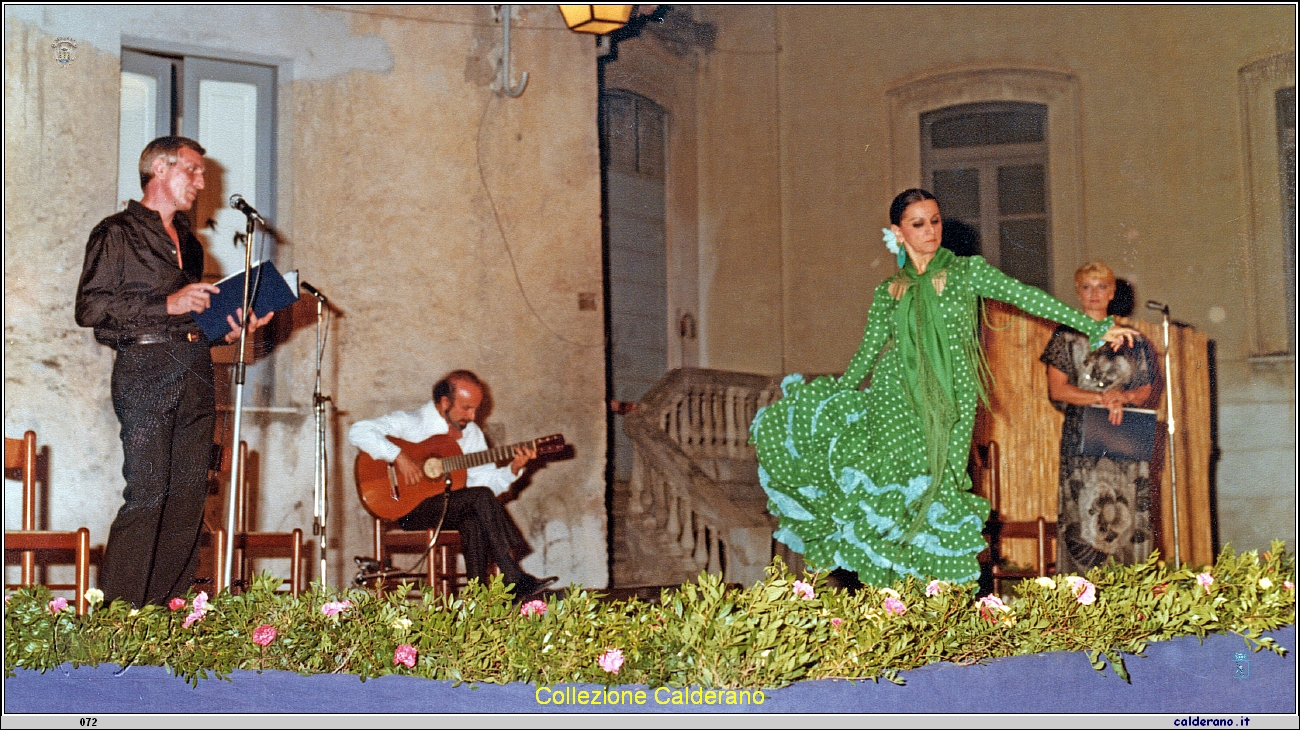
(844, 468)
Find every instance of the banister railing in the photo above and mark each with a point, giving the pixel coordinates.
(694, 471)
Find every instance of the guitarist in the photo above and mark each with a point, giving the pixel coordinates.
(486, 531)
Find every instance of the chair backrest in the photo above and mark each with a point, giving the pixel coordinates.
(988, 463)
(20, 459)
(249, 545)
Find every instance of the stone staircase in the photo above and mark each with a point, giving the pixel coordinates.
(644, 555)
(693, 502)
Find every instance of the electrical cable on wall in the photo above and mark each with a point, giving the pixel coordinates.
(514, 268)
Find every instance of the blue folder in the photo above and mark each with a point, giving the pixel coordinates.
(1133, 439)
(270, 293)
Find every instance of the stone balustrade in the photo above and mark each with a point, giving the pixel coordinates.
(695, 473)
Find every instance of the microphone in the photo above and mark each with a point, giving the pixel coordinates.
(312, 291)
(238, 203)
(1158, 306)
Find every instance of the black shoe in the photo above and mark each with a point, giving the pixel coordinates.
(529, 585)
(845, 579)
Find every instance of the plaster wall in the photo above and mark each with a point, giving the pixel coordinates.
(451, 226)
(739, 186)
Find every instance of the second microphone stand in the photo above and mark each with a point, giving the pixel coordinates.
(320, 405)
(1169, 417)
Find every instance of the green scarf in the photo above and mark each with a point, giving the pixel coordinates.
(921, 339)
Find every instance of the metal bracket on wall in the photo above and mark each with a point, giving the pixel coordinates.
(506, 87)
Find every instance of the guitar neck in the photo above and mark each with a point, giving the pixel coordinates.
(478, 458)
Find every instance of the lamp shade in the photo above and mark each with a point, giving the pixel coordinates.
(596, 19)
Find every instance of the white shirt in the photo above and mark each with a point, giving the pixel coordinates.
(418, 425)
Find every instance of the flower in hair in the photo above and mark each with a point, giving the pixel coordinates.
(891, 243)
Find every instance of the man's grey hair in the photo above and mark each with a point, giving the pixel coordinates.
(165, 147)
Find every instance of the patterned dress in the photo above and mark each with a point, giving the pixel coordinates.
(1105, 502)
(849, 472)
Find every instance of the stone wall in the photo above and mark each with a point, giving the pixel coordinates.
(451, 226)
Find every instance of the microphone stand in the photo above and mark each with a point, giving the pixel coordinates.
(239, 404)
(320, 494)
(1169, 417)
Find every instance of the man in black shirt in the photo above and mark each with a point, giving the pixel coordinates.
(140, 284)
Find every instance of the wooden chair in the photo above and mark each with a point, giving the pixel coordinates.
(253, 545)
(215, 540)
(22, 547)
(442, 570)
(988, 462)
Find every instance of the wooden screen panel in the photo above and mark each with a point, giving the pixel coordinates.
(1026, 426)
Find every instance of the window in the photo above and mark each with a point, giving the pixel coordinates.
(635, 129)
(987, 164)
(1285, 102)
(1267, 92)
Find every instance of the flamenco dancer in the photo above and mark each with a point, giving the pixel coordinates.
(874, 482)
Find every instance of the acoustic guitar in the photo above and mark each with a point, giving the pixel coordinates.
(443, 467)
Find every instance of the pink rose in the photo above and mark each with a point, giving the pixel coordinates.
(1289, 585)
(193, 618)
(334, 608)
(176, 604)
(934, 588)
(802, 589)
(201, 601)
(405, 654)
(895, 607)
(263, 635)
(58, 604)
(990, 603)
(612, 659)
(1084, 591)
(533, 608)
(1205, 579)
(836, 622)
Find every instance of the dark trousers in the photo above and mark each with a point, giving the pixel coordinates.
(486, 531)
(163, 397)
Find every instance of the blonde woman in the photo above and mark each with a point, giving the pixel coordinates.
(1105, 502)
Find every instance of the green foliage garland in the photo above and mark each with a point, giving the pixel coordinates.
(764, 636)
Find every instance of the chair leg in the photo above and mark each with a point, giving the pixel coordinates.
(219, 560)
(83, 570)
(443, 581)
(431, 558)
(379, 554)
(29, 568)
(29, 504)
(1042, 546)
(295, 572)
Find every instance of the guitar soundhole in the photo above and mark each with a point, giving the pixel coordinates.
(433, 468)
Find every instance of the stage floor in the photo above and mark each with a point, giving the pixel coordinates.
(1180, 676)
